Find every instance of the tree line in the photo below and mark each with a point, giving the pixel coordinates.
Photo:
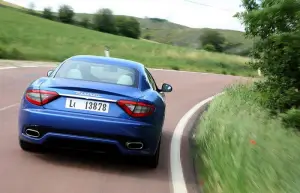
(213, 41)
(103, 20)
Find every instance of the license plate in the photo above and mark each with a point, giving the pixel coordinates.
(89, 105)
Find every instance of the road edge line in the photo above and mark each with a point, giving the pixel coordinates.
(177, 176)
(8, 107)
(8, 67)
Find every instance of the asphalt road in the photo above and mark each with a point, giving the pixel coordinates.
(68, 173)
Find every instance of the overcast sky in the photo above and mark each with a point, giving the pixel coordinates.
(214, 14)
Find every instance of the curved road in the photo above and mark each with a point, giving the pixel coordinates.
(58, 173)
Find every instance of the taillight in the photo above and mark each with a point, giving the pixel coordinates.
(136, 109)
(40, 97)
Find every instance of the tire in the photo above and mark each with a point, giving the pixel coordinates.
(25, 146)
(153, 161)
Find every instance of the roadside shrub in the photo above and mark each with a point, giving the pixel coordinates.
(209, 47)
(278, 98)
(175, 67)
(276, 24)
(14, 53)
(224, 72)
(3, 53)
(292, 118)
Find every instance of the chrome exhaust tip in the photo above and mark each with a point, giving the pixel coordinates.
(32, 133)
(134, 145)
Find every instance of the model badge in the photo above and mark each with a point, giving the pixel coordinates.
(87, 94)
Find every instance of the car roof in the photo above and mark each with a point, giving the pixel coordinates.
(109, 60)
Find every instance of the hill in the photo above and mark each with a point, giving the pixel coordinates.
(5, 3)
(166, 32)
(33, 38)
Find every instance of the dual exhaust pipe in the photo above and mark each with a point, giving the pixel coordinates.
(32, 133)
(130, 145)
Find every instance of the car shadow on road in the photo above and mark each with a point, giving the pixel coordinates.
(129, 166)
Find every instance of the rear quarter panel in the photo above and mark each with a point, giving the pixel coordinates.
(155, 98)
(158, 116)
(24, 104)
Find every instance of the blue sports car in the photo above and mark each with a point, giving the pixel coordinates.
(95, 103)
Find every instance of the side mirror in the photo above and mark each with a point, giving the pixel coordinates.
(50, 72)
(166, 88)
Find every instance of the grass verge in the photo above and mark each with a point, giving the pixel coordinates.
(241, 149)
(28, 37)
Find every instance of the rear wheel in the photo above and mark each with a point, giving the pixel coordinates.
(30, 147)
(153, 161)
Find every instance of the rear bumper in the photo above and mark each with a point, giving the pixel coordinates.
(90, 132)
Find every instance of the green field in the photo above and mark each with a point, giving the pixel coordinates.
(241, 149)
(33, 38)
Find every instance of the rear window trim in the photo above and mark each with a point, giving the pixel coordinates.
(135, 85)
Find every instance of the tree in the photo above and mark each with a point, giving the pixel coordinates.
(104, 21)
(66, 14)
(276, 23)
(128, 27)
(212, 38)
(47, 13)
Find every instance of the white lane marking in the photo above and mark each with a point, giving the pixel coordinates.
(8, 107)
(28, 66)
(170, 70)
(177, 177)
(8, 67)
(49, 66)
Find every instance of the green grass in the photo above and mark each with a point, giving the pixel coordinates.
(33, 38)
(230, 163)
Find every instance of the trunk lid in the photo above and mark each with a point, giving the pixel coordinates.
(89, 97)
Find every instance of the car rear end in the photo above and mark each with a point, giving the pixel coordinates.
(89, 115)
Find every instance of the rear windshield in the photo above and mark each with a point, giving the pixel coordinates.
(105, 73)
